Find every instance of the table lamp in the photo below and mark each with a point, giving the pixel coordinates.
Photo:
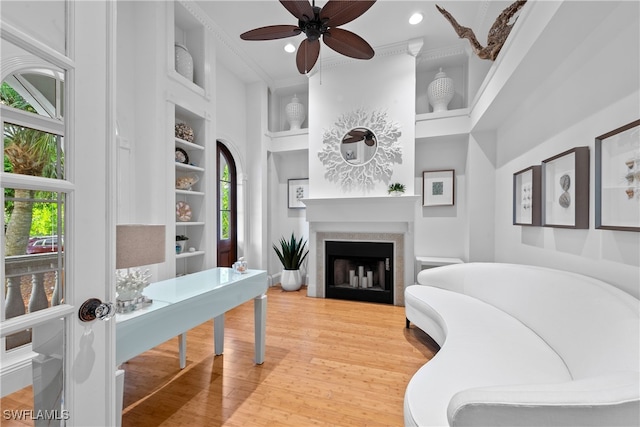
(136, 245)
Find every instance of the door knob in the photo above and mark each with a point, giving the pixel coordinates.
(93, 309)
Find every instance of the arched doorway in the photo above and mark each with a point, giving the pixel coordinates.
(227, 207)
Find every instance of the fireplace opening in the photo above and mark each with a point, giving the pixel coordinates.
(360, 271)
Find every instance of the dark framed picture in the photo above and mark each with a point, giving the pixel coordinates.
(565, 189)
(618, 179)
(527, 196)
(438, 187)
(298, 189)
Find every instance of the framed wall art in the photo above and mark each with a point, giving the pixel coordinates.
(438, 187)
(527, 196)
(298, 189)
(565, 187)
(618, 178)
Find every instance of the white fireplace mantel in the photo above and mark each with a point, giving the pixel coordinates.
(362, 209)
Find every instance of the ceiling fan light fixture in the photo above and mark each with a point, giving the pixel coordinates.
(416, 18)
(289, 48)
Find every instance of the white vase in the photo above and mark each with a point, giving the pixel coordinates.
(291, 280)
(295, 113)
(440, 92)
(184, 62)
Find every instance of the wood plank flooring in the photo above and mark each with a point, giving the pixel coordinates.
(327, 362)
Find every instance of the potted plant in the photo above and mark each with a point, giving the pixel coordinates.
(396, 189)
(291, 253)
(181, 242)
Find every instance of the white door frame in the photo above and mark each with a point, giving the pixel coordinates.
(90, 206)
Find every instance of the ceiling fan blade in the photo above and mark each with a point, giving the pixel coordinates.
(358, 133)
(351, 139)
(307, 55)
(348, 43)
(299, 8)
(271, 32)
(339, 12)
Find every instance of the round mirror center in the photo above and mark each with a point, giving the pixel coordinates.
(358, 146)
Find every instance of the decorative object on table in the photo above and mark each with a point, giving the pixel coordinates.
(240, 266)
(295, 112)
(565, 188)
(183, 131)
(181, 156)
(438, 187)
(183, 211)
(361, 174)
(136, 245)
(184, 61)
(618, 178)
(186, 182)
(181, 242)
(440, 92)
(319, 23)
(497, 34)
(527, 196)
(292, 254)
(396, 189)
(298, 189)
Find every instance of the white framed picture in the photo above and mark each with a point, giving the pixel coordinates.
(298, 189)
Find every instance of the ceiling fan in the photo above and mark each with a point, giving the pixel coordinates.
(356, 135)
(316, 22)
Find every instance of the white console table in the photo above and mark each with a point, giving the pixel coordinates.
(187, 301)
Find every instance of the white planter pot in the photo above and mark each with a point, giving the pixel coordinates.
(291, 280)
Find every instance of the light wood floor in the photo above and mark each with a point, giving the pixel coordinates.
(328, 362)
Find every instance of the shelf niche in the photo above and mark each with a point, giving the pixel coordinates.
(278, 100)
(190, 33)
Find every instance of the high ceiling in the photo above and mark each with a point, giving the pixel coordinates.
(384, 24)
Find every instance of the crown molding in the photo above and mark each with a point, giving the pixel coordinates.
(441, 53)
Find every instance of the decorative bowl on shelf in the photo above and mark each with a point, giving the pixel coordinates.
(186, 182)
(184, 131)
(183, 211)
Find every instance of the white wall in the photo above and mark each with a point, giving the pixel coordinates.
(384, 83)
(441, 231)
(612, 256)
(594, 90)
(282, 220)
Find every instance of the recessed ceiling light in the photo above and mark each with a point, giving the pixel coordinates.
(416, 18)
(289, 47)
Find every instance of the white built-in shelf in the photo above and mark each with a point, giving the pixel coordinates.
(187, 223)
(189, 254)
(186, 83)
(182, 166)
(189, 193)
(188, 145)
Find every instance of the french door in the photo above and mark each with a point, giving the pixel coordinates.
(59, 133)
(227, 207)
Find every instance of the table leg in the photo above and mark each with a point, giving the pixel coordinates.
(218, 334)
(260, 320)
(182, 346)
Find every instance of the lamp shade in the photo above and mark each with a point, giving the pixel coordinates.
(139, 244)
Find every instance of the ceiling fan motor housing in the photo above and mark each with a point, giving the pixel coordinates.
(313, 28)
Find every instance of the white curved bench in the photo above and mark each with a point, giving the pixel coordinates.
(523, 345)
